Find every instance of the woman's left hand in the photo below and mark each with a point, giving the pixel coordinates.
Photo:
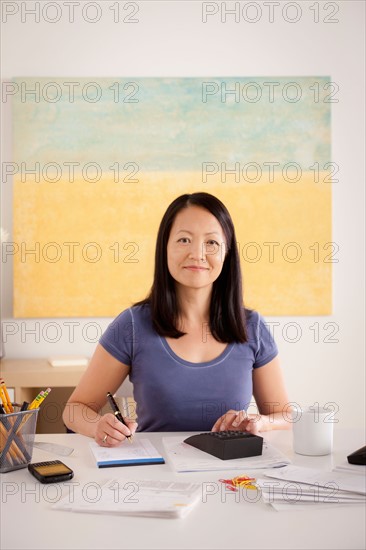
(240, 421)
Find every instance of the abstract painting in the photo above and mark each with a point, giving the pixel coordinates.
(98, 160)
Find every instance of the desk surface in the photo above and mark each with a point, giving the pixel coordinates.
(222, 522)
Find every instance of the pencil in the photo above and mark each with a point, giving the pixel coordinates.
(5, 424)
(45, 393)
(39, 399)
(4, 400)
(34, 404)
(10, 447)
(3, 387)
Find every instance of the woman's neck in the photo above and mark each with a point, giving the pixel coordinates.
(194, 305)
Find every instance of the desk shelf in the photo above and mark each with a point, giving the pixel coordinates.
(27, 377)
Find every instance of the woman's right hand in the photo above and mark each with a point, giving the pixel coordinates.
(110, 432)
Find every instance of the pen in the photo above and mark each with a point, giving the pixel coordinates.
(117, 413)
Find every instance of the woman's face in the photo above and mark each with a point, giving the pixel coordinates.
(196, 248)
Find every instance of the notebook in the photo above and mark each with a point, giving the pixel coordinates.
(138, 453)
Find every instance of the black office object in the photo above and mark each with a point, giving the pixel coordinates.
(358, 457)
(51, 471)
(227, 444)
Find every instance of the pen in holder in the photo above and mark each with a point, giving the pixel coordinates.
(17, 431)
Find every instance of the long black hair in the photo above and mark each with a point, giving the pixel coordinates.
(227, 314)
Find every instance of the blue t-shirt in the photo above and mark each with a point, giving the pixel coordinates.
(173, 394)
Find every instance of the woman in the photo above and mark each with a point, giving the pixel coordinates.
(194, 354)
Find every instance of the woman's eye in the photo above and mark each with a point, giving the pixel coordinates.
(184, 240)
(212, 246)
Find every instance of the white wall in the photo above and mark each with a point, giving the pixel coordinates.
(170, 39)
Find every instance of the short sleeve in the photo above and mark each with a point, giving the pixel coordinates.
(119, 337)
(266, 346)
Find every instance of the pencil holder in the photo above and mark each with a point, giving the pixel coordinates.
(17, 431)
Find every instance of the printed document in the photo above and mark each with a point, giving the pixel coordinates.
(185, 458)
(165, 499)
(295, 487)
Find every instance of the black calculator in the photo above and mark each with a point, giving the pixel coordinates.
(227, 444)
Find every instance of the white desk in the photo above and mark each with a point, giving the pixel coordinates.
(28, 521)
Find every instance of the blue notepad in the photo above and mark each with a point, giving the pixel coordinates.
(138, 453)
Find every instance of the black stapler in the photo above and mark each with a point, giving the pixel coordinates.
(358, 457)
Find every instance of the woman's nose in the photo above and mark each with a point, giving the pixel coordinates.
(197, 251)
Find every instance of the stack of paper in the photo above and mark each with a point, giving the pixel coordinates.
(294, 485)
(141, 451)
(165, 499)
(185, 458)
(351, 468)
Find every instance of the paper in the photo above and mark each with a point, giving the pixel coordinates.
(298, 488)
(146, 498)
(301, 505)
(53, 448)
(292, 492)
(185, 458)
(358, 469)
(68, 361)
(140, 451)
(341, 481)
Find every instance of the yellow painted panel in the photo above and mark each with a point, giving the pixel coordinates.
(87, 249)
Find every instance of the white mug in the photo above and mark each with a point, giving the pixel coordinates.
(312, 430)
